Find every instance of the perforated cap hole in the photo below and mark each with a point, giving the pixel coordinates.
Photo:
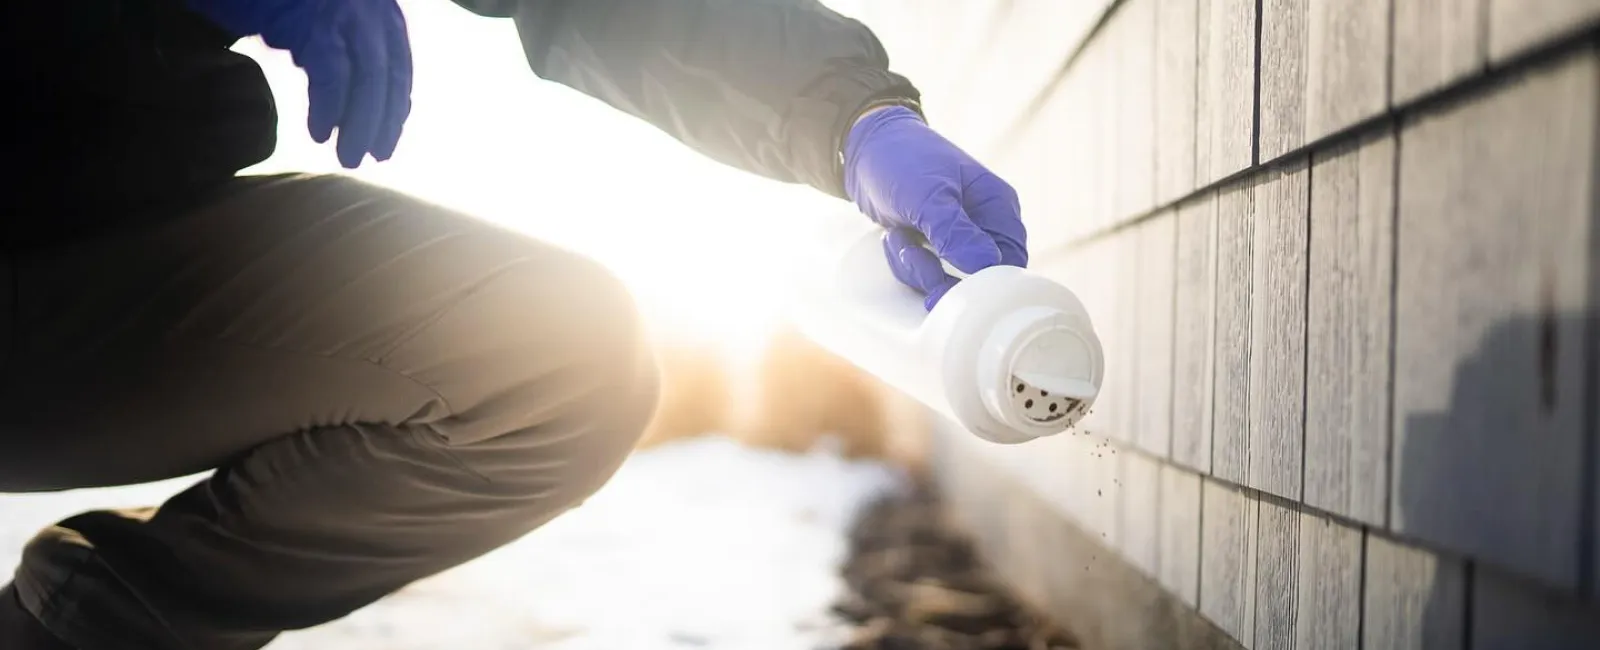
(1039, 406)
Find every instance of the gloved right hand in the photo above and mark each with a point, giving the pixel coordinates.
(926, 190)
(357, 58)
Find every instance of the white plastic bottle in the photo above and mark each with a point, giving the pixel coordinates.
(1008, 353)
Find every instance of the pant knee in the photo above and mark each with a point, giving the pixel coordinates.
(582, 339)
(550, 356)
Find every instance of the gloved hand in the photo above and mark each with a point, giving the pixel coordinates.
(924, 189)
(357, 58)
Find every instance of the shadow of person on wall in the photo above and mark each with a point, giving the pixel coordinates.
(1493, 462)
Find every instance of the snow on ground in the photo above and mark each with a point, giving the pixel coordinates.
(701, 543)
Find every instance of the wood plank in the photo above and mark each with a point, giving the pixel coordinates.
(1177, 34)
(1099, 72)
(1510, 614)
(1194, 342)
(1278, 330)
(1226, 101)
(951, 47)
(1081, 120)
(1097, 291)
(1180, 534)
(1080, 475)
(1347, 64)
(1070, 117)
(1495, 227)
(1140, 531)
(1228, 560)
(1203, 90)
(1026, 166)
(1157, 267)
(1125, 353)
(1348, 334)
(1283, 76)
(1414, 600)
(1516, 26)
(1277, 576)
(1030, 40)
(1329, 597)
(1230, 446)
(1131, 38)
(1436, 43)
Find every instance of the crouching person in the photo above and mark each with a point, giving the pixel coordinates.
(384, 388)
(381, 389)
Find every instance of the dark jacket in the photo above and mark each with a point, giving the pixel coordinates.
(130, 106)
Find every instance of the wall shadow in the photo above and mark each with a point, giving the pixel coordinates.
(1503, 480)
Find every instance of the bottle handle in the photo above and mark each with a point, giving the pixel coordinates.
(856, 272)
(949, 269)
(866, 279)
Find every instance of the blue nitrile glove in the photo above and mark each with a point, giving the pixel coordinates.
(924, 189)
(357, 58)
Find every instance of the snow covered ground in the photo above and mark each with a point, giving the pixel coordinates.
(701, 543)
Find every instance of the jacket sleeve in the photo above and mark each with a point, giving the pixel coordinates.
(767, 86)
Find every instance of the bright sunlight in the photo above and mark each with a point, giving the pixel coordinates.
(712, 253)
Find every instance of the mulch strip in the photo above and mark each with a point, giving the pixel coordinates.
(917, 584)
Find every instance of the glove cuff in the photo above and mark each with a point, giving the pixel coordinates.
(821, 120)
(863, 127)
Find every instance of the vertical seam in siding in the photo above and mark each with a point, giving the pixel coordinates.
(1255, 104)
(1305, 324)
(1361, 592)
(1589, 486)
(1394, 323)
(1469, 579)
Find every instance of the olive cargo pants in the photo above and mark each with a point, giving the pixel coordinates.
(384, 388)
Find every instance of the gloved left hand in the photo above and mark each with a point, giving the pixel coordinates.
(924, 189)
(357, 58)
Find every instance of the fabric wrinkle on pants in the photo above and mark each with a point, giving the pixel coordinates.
(384, 388)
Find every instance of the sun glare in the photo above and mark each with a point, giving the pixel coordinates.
(711, 253)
